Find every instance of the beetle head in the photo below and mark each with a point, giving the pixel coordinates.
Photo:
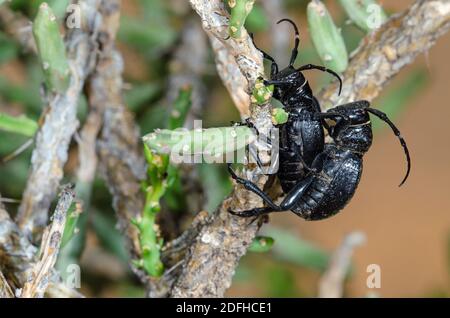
(294, 83)
(290, 85)
(354, 131)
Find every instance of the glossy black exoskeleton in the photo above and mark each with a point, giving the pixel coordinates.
(319, 179)
(302, 136)
(336, 171)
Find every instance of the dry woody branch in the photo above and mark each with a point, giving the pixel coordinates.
(5, 289)
(18, 256)
(119, 149)
(385, 52)
(331, 284)
(224, 239)
(18, 27)
(40, 274)
(59, 123)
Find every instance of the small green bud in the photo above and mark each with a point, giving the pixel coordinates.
(261, 94)
(279, 116)
(261, 244)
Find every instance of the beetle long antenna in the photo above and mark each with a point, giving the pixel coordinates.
(297, 40)
(323, 69)
(274, 66)
(385, 118)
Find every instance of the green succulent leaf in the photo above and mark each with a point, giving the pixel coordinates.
(212, 141)
(19, 125)
(326, 37)
(366, 14)
(240, 9)
(51, 48)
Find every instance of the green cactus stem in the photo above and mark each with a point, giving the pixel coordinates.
(219, 140)
(368, 15)
(19, 125)
(73, 214)
(161, 178)
(240, 9)
(326, 37)
(51, 48)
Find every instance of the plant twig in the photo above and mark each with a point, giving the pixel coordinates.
(59, 124)
(40, 274)
(18, 27)
(5, 289)
(211, 260)
(51, 49)
(385, 52)
(18, 124)
(326, 37)
(231, 76)
(121, 159)
(120, 149)
(187, 68)
(238, 62)
(87, 156)
(16, 252)
(87, 141)
(123, 167)
(240, 9)
(17, 256)
(331, 284)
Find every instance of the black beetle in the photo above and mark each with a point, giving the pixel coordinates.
(302, 136)
(335, 172)
(319, 179)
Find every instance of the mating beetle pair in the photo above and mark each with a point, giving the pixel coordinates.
(318, 178)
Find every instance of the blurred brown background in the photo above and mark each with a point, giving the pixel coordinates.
(407, 228)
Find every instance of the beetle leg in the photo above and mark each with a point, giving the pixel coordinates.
(267, 83)
(340, 120)
(249, 124)
(316, 105)
(250, 186)
(306, 166)
(270, 181)
(253, 212)
(332, 115)
(291, 199)
(288, 202)
(252, 150)
(255, 155)
(319, 110)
